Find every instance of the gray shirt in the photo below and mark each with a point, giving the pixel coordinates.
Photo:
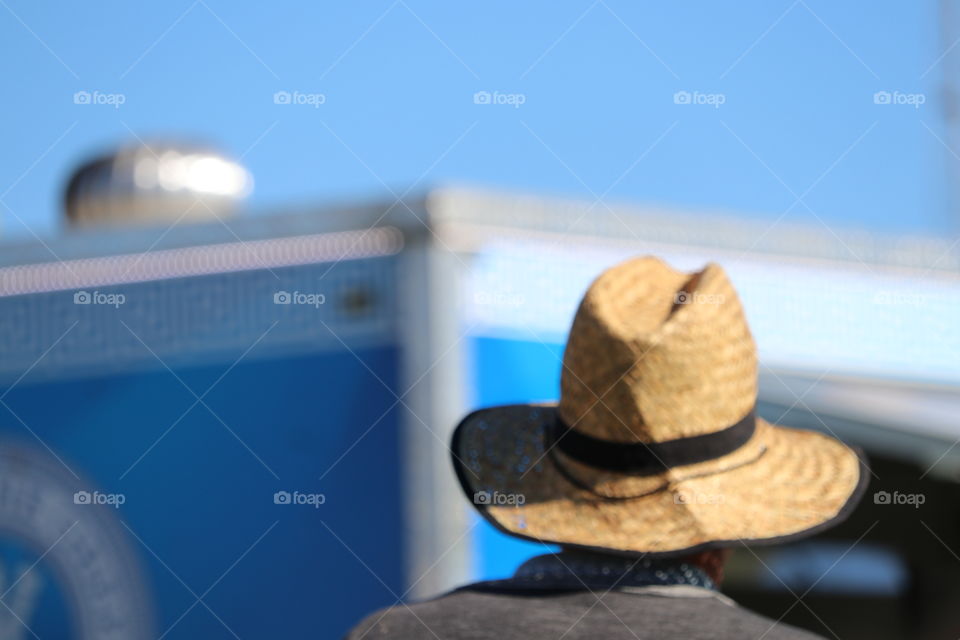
(499, 611)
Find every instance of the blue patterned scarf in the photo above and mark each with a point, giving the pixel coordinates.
(578, 570)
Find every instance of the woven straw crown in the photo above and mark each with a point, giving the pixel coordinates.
(655, 354)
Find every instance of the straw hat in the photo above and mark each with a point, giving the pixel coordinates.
(654, 446)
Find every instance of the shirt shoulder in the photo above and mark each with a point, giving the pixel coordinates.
(479, 613)
(463, 613)
(401, 621)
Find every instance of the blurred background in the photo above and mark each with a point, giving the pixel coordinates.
(257, 261)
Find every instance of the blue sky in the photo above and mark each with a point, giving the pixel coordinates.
(798, 133)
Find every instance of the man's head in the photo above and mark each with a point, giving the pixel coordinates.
(712, 562)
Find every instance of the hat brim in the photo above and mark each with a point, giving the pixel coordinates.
(782, 485)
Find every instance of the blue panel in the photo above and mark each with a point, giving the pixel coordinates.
(509, 372)
(201, 497)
